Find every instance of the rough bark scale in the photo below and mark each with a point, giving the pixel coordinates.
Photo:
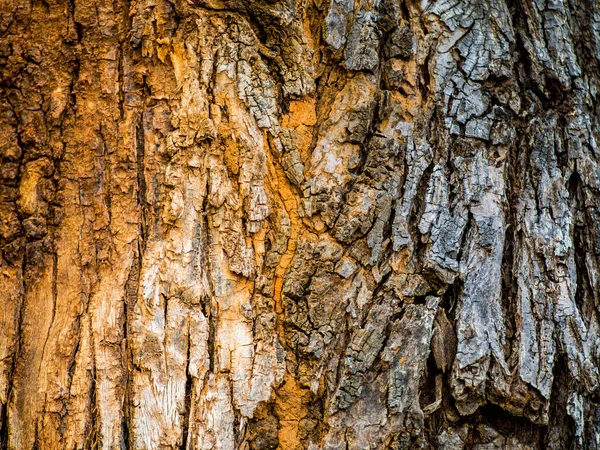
(299, 224)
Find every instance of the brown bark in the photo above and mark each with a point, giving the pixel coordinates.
(299, 225)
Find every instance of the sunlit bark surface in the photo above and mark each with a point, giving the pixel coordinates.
(311, 224)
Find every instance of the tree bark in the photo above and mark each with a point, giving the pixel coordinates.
(311, 224)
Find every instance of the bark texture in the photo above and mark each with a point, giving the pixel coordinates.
(299, 224)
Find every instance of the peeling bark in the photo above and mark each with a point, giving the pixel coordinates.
(299, 225)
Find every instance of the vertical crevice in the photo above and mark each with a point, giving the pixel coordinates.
(558, 434)
(131, 293)
(4, 422)
(120, 82)
(210, 344)
(509, 264)
(209, 306)
(15, 357)
(141, 177)
(4, 427)
(93, 428)
(189, 385)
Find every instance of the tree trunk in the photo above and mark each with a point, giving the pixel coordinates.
(311, 224)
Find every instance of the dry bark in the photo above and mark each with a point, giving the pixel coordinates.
(237, 224)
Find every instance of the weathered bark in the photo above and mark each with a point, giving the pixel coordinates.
(299, 225)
